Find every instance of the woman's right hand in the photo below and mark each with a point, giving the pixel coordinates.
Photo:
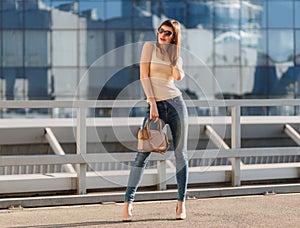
(153, 111)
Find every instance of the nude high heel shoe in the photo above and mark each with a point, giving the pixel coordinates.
(127, 212)
(180, 211)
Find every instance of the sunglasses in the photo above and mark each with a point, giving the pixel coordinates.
(166, 32)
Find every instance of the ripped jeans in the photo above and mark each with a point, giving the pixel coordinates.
(173, 112)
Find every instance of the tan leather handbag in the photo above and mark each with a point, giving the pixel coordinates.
(152, 140)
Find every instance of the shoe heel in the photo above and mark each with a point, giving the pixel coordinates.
(127, 212)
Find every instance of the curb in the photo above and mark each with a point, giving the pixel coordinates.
(94, 198)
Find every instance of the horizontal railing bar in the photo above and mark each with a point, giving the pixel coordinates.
(129, 156)
(142, 103)
(41, 159)
(245, 152)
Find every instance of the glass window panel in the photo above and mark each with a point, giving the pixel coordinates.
(38, 83)
(12, 48)
(119, 7)
(15, 83)
(228, 79)
(117, 38)
(144, 35)
(37, 16)
(112, 81)
(92, 10)
(247, 81)
(297, 80)
(119, 23)
(2, 86)
(64, 14)
(260, 84)
(253, 14)
(199, 14)
(37, 48)
(142, 23)
(282, 8)
(12, 15)
(1, 51)
(297, 14)
(64, 48)
(227, 47)
(65, 82)
(280, 46)
(46, 3)
(82, 47)
(138, 44)
(198, 82)
(200, 43)
(297, 41)
(139, 9)
(102, 10)
(226, 14)
(65, 5)
(273, 81)
(282, 81)
(82, 86)
(172, 9)
(254, 47)
(95, 45)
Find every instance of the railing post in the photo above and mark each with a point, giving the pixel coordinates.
(236, 144)
(81, 149)
(162, 175)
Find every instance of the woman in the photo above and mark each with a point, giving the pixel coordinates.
(160, 64)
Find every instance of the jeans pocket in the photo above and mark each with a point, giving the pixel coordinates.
(178, 100)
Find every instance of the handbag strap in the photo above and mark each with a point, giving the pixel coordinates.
(148, 122)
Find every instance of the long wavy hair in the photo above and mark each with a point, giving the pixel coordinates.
(173, 49)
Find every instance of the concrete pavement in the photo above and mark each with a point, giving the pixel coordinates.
(282, 210)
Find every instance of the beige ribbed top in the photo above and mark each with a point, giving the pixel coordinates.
(161, 78)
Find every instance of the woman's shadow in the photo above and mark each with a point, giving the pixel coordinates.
(95, 223)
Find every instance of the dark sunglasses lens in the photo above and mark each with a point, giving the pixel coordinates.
(166, 32)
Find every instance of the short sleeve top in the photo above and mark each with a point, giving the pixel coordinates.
(161, 78)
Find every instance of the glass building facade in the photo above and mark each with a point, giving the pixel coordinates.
(49, 47)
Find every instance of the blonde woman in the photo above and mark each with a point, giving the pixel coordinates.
(160, 65)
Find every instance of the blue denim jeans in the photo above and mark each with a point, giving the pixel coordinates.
(173, 112)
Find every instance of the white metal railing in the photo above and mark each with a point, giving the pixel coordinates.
(81, 159)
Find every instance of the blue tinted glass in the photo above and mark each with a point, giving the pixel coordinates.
(64, 48)
(95, 45)
(226, 14)
(12, 48)
(297, 47)
(247, 80)
(173, 9)
(253, 14)
(64, 5)
(12, 15)
(1, 51)
(38, 18)
(93, 10)
(225, 75)
(280, 14)
(280, 45)
(254, 47)
(199, 14)
(297, 14)
(227, 47)
(37, 83)
(297, 78)
(36, 52)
